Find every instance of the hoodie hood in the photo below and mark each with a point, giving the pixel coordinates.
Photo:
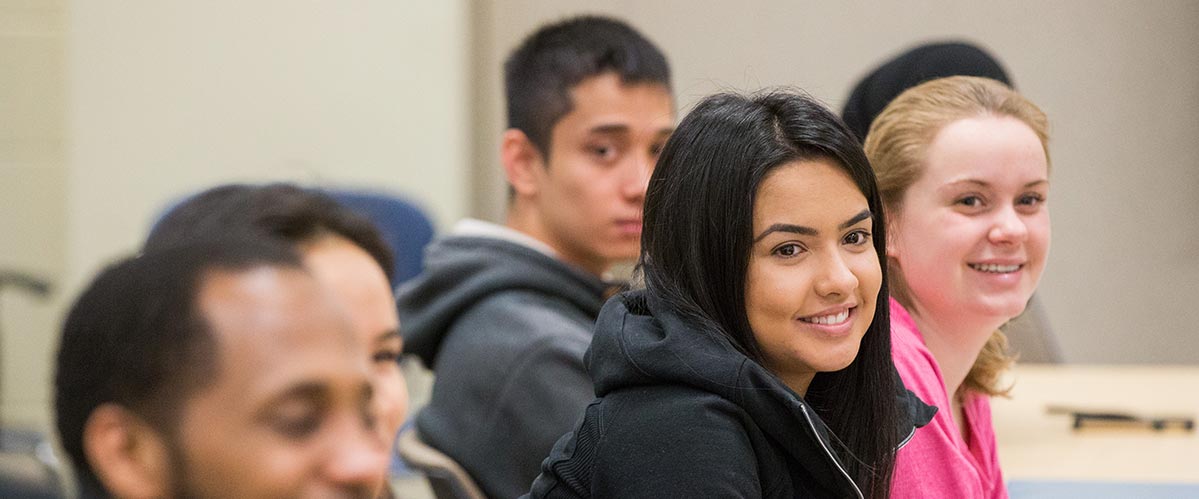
(918, 65)
(462, 271)
(639, 341)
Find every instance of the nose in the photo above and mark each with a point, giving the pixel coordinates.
(836, 280)
(358, 460)
(637, 180)
(1009, 227)
(390, 404)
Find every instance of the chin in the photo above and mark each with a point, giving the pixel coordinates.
(1005, 308)
(838, 367)
(835, 362)
(624, 254)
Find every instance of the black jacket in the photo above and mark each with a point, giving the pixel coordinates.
(681, 413)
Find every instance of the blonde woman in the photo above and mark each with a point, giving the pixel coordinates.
(963, 169)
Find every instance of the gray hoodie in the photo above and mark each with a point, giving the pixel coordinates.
(504, 328)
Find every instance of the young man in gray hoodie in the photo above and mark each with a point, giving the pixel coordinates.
(504, 313)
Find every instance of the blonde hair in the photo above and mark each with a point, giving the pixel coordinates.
(897, 146)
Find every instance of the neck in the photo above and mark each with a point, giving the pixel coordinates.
(798, 383)
(955, 342)
(526, 221)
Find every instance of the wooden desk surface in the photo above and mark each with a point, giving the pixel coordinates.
(1035, 445)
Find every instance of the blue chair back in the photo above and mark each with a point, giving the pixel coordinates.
(404, 226)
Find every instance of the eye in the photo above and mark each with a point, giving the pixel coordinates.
(656, 150)
(386, 356)
(296, 423)
(857, 238)
(971, 201)
(603, 152)
(789, 250)
(1031, 199)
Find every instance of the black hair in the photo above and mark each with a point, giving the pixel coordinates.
(541, 72)
(699, 231)
(291, 213)
(136, 338)
(922, 63)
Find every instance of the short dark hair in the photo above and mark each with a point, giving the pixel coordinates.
(699, 231)
(291, 213)
(136, 338)
(541, 72)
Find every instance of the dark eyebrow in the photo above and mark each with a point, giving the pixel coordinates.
(387, 335)
(865, 214)
(315, 391)
(792, 228)
(808, 231)
(304, 390)
(609, 129)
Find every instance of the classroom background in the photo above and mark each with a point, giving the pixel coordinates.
(111, 111)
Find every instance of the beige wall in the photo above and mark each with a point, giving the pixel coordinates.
(32, 188)
(1118, 80)
(109, 111)
(171, 96)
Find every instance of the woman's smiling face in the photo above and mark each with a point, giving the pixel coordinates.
(971, 235)
(813, 277)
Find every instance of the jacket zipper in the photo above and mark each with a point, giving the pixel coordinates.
(806, 416)
(906, 439)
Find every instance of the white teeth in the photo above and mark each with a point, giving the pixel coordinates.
(994, 268)
(828, 320)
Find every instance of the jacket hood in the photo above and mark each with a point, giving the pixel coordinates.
(639, 341)
(461, 271)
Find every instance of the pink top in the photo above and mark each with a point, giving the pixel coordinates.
(937, 462)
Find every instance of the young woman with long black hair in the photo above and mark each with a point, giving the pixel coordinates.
(757, 361)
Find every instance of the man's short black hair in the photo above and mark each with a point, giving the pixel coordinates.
(288, 212)
(541, 72)
(136, 338)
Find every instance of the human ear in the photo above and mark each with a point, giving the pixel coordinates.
(893, 249)
(129, 457)
(522, 161)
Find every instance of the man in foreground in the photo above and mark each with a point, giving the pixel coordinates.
(215, 369)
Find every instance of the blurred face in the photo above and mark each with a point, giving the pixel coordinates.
(972, 234)
(591, 190)
(361, 289)
(289, 413)
(814, 276)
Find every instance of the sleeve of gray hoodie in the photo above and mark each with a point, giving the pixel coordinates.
(541, 388)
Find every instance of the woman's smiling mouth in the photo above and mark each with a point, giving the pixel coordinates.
(828, 319)
(994, 268)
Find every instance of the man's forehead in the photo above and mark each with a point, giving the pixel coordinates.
(275, 324)
(254, 299)
(606, 94)
(272, 306)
